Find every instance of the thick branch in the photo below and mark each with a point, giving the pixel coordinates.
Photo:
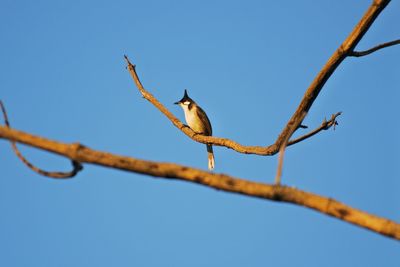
(258, 150)
(373, 49)
(80, 153)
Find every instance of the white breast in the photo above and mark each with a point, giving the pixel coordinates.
(192, 119)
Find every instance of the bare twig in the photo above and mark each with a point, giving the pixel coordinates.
(62, 175)
(373, 49)
(328, 206)
(324, 126)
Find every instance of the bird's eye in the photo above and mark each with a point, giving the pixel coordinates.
(186, 103)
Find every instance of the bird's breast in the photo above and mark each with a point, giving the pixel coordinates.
(194, 121)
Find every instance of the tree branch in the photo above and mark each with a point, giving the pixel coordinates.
(258, 150)
(79, 153)
(344, 50)
(61, 175)
(328, 206)
(373, 49)
(324, 126)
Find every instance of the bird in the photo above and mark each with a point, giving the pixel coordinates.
(198, 121)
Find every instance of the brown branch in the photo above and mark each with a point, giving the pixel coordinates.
(344, 50)
(309, 97)
(324, 126)
(258, 150)
(328, 206)
(373, 49)
(61, 175)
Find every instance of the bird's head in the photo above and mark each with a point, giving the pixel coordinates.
(185, 101)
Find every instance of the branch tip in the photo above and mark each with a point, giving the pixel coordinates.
(325, 125)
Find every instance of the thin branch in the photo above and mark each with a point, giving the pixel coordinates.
(61, 175)
(328, 206)
(258, 150)
(373, 49)
(324, 126)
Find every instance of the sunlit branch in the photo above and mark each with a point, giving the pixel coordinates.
(344, 50)
(79, 153)
(334, 61)
(258, 150)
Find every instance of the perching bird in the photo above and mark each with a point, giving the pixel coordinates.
(198, 121)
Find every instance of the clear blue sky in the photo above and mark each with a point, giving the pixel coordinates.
(247, 63)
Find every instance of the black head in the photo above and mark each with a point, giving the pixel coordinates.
(186, 100)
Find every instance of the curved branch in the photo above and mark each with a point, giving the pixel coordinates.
(328, 206)
(373, 49)
(345, 49)
(257, 150)
(61, 175)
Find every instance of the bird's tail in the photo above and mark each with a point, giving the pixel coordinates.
(211, 161)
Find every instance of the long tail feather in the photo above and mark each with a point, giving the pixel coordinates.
(211, 161)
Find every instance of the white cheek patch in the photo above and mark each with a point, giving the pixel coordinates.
(186, 103)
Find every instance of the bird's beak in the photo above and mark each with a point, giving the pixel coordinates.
(177, 103)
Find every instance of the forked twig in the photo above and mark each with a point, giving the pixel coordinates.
(325, 125)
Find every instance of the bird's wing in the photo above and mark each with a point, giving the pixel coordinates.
(203, 117)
